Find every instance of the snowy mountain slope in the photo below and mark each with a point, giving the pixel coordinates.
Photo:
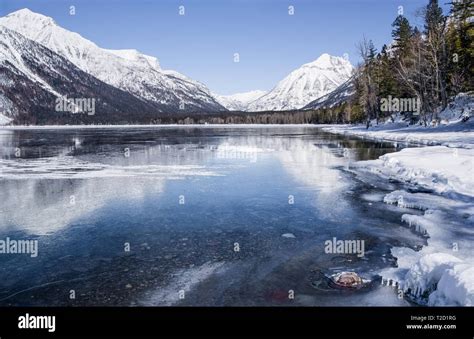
(341, 94)
(305, 84)
(32, 77)
(129, 70)
(238, 101)
(4, 120)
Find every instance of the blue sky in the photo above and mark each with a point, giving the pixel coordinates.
(201, 44)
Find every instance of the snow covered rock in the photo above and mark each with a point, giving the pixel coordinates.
(424, 275)
(440, 279)
(442, 272)
(456, 287)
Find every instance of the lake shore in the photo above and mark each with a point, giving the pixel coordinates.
(439, 181)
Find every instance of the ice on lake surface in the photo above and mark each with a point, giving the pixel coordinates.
(192, 216)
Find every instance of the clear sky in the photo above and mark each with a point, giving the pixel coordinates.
(201, 44)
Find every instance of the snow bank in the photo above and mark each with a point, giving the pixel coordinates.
(456, 284)
(438, 168)
(461, 107)
(449, 130)
(438, 279)
(418, 223)
(419, 201)
(441, 273)
(459, 135)
(424, 276)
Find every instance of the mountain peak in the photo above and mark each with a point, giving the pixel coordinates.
(305, 84)
(27, 14)
(30, 24)
(126, 69)
(326, 60)
(324, 57)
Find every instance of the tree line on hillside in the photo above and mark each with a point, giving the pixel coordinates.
(430, 64)
(427, 65)
(280, 118)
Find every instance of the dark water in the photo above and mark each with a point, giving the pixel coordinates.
(191, 216)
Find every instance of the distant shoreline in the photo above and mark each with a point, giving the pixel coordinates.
(18, 127)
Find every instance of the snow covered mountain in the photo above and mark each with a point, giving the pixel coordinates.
(129, 70)
(305, 84)
(239, 101)
(32, 78)
(340, 95)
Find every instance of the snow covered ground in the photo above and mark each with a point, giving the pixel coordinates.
(441, 273)
(441, 169)
(439, 181)
(452, 135)
(450, 131)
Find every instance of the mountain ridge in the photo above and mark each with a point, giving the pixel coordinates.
(239, 101)
(305, 84)
(129, 70)
(33, 78)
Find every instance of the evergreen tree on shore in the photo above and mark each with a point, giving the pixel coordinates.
(431, 64)
(460, 36)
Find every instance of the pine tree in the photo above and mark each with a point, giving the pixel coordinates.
(428, 64)
(460, 37)
(386, 81)
(401, 33)
(372, 51)
(435, 41)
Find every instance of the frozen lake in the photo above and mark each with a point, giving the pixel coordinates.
(220, 216)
